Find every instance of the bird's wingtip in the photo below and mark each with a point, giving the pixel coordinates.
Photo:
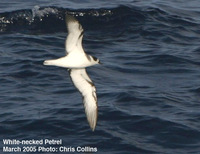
(70, 18)
(92, 127)
(92, 119)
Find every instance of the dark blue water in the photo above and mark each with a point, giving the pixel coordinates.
(148, 86)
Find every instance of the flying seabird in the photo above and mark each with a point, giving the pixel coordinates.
(76, 60)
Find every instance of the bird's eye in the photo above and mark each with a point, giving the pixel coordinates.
(95, 59)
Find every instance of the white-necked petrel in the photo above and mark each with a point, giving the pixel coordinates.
(76, 60)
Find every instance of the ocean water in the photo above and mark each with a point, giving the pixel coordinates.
(148, 86)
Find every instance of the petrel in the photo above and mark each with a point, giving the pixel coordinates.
(76, 60)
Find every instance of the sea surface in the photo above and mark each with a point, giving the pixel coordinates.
(148, 86)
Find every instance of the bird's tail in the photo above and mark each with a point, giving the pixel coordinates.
(48, 62)
(55, 62)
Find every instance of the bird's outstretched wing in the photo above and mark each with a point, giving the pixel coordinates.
(75, 35)
(87, 89)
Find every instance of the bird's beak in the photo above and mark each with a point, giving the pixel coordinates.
(100, 63)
